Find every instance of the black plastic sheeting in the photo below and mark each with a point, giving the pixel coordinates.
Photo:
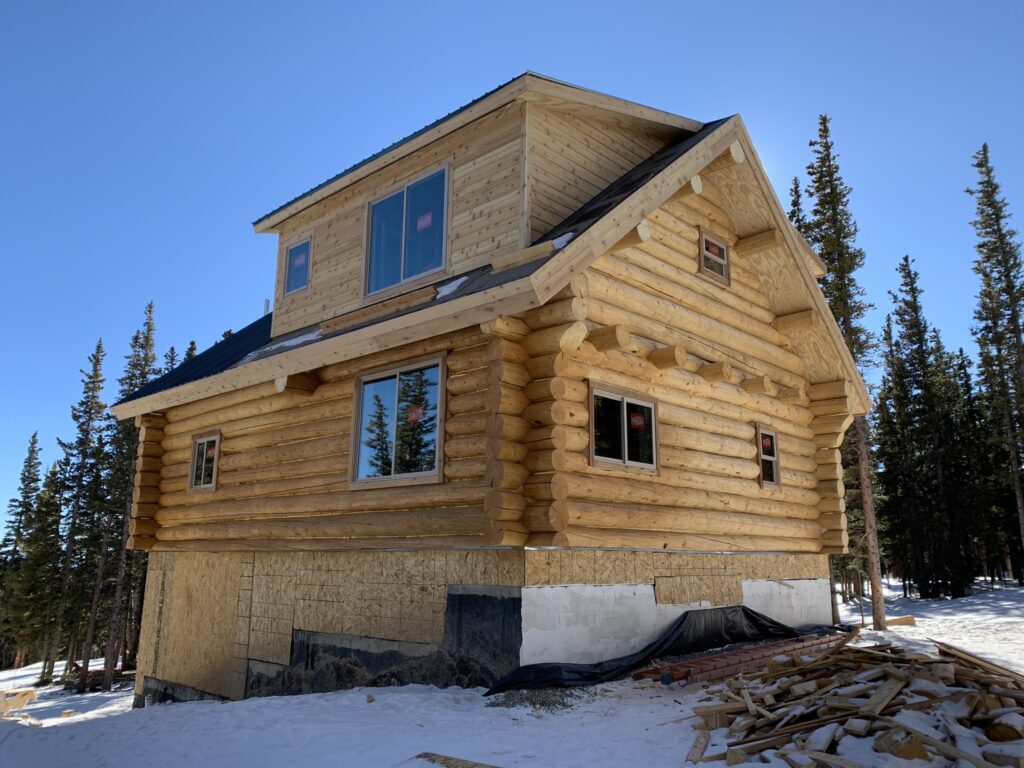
(692, 632)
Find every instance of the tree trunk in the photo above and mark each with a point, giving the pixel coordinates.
(867, 496)
(832, 590)
(94, 610)
(114, 636)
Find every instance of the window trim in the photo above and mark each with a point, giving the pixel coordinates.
(197, 438)
(292, 242)
(370, 297)
(626, 395)
(706, 236)
(761, 429)
(414, 478)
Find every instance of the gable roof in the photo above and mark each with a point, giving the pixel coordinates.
(526, 87)
(482, 294)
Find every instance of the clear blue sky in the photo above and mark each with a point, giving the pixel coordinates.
(138, 141)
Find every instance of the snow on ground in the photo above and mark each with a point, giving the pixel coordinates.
(617, 724)
(989, 622)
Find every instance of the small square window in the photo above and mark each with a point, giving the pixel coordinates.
(623, 429)
(297, 267)
(407, 233)
(205, 452)
(714, 258)
(768, 456)
(399, 424)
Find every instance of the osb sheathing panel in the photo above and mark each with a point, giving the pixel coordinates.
(190, 628)
(386, 595)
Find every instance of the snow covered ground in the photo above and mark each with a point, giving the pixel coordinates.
(618, 724)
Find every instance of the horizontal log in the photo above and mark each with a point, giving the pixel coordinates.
(556, 313)
(323, 465)
(140, 543)
(557, 436)
(257, 392)
(149, 449)
(140, 509)
(471, 402)
(505, 328)
(555, 339)
(470, 381)
(333, 481)
(710, 463)
(558, 388)
(555, 461)
(465, 469)
(467, 424)
(322, 545)
(504, 505)
(506, 475)
(759, 385)
(596, 537)
(646, 517)
(505, 399)
(315, 448)
(751, 245)
(553, 412)
(664, 358)
(507, 427)
(503, 537)
(467, 359)
(352, 500)
(453, 521)
(833, 521)
(720, 371)
(142, 527)
(835, 538)
(699, 440)
(609, 337)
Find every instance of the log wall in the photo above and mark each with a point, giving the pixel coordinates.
(283, 472)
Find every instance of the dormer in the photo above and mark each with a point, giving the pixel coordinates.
(480, 184)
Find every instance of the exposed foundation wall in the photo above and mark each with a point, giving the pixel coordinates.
(283, 473)
(484, 217)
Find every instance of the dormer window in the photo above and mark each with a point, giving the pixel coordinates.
(407, 233)
(297, 268)
(714, 258)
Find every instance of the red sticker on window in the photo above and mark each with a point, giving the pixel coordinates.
(713, 249)
(424, 222)
(637, 421)
(767, 445)
(299, 260)
(414, 414)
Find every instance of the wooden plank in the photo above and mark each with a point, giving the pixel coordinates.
(380, 309)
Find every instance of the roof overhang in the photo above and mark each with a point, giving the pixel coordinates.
(529, 87)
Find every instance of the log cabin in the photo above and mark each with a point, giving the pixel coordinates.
(538, 378)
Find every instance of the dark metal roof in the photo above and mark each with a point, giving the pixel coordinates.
(218, 358)
(624, 186)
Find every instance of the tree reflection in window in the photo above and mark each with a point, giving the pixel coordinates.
(399, 428)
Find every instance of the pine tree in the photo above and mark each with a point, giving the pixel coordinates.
(379, 439)
(998, 314)
(832, 231)
(415, 441)
(190, 352)
(796, 214)
(170, 360)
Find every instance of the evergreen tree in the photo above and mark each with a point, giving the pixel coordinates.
(832, 231)
(170, 360)
(998, 315)
(415, 441)
(190, 352)
(379, 439)
(796, 214)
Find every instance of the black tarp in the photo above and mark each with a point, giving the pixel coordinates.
(692, 632)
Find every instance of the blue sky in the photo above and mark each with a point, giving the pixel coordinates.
(138, 141)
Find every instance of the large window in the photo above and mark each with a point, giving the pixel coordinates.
(623, 429)
(768, 455)
(407, 233)
(203, 472)
(714, 258)
(399, 424)
(297, 267)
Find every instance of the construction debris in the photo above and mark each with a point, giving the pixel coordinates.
(853, 705)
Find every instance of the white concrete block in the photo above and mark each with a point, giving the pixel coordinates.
(791, 601)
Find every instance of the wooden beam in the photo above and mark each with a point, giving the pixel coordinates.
(298, 383)
(734, 156)
(641, 233)
(525, 256)
(695, 186)
(609, 337)
(793, 395)
(795, 322)
(759, 385)
(665, 358)
(754, 244)
(720, 371)
(505, 328)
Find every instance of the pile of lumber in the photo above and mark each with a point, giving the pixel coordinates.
(872, 705)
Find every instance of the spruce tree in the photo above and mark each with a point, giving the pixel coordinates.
(415, 443)
(170, 360)
(832, 231)
(998, 314)
(378, 439)
(190, 351)
(796, 214)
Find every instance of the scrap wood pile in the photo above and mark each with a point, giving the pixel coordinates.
(866, 706)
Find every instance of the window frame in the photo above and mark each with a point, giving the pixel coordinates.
(761, 429)
(611, 392)
(202, 437)
(370, 297)
(435, 475)
(706, 236)
(287, 245)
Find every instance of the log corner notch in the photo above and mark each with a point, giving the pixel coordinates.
(735, 155)
(505, 401)
(298, 383)
(832, 406)
(146, 493)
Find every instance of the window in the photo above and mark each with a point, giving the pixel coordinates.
(205, 450)
(297, 267)
(622, 429)
(407, 233)
(768, 456)
(399, 424)
(714, 258)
